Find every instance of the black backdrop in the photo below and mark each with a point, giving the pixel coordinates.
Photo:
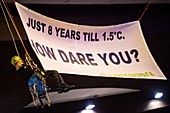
(155, 25)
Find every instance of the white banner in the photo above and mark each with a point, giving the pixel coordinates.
(112, 51)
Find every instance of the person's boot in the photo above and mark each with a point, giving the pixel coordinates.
(63, 87)
(67, 87)
(59, 87)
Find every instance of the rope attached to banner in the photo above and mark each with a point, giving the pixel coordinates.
(145, 10)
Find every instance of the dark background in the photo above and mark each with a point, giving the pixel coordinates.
(156, 29)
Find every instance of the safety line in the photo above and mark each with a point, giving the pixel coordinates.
(145, 10)
(11, 18)
(10, 29)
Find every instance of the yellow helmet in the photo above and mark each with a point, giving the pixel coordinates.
(15, 59)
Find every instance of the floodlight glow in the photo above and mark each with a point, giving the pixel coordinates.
(159, 95)
(91, 106)
(87, 111)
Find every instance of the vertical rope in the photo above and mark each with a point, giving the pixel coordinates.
(11, 18)
(10, 29)
(145, 10)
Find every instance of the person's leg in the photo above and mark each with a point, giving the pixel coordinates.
(54, 75)
(61, 85)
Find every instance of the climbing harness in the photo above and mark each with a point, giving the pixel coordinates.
(37, 83)
(38, 89)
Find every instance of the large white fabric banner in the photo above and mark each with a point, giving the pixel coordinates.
(112, 51)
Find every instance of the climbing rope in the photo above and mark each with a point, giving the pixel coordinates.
(12, 20)
(10, 29)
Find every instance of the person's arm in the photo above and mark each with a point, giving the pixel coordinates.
(33, 66)
(30, 62)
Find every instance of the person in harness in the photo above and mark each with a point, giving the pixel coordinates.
(31, 74)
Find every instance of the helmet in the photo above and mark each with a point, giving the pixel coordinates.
(15, 59)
